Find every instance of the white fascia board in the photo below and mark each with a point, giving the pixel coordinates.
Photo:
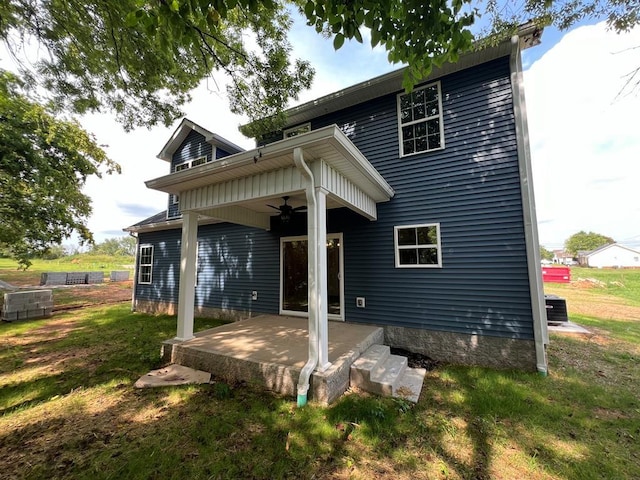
(167, 225)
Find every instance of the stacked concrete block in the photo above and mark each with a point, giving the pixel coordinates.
(95, 277)
(27, 305)
(71, 278)
(53, 278)
(119, 275)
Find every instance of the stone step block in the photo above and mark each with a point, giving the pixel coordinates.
(361, 369)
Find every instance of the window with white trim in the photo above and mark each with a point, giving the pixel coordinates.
(189, 164)
(420, 120)
(295, 131)
(418, 246)
(145, 264)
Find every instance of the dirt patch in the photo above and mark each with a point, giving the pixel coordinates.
(584, 301)
(416, 360)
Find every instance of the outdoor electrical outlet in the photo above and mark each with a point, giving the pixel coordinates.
(254, 295)
(360, 302)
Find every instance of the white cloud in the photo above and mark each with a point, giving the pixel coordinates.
(584, 138)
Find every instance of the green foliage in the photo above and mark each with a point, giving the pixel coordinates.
(120, 246)
(140, 59)
(621, 15)
(545, 254)
(586, 241)
(418, 33)
(44, 163)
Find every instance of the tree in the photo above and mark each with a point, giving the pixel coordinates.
(141, 58)
(545, 254)
(586, 241)
(44, 163)
(119, 246)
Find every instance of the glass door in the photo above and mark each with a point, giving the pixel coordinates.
(294, 272)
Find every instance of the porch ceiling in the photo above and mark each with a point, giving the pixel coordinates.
(238, 188)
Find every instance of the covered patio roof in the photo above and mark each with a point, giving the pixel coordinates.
(238, 188)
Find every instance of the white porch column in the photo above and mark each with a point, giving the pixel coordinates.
(321, 282)
(186, 294)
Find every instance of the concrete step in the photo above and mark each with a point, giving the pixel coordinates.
(410, 383)
(366, 363)
(379, 372)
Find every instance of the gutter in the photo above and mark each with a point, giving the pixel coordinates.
(532, 243)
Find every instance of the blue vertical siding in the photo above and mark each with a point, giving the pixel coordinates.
(471, 187)
(194, 146)
(233, 261)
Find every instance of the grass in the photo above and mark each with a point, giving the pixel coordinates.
(68, 410)
(75, 263)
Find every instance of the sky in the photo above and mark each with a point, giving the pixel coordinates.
(584, 134)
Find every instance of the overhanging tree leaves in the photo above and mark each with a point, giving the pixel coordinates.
(140, 59)
(44, 163)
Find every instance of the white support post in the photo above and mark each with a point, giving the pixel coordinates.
(321, 279)
(186, 294)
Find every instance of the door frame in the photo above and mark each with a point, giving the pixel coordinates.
(293, 313)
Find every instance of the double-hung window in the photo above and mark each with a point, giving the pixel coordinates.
(145, 264)
(420, 120)
(418, 246)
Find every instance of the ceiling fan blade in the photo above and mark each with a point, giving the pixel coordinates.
(275, 208)
(299, 209)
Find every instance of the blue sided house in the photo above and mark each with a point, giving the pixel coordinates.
(409, 211)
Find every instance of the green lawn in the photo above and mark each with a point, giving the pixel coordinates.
(621, 283)
(76, 263)
(68, 411)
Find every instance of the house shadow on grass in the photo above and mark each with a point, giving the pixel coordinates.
(86, 421)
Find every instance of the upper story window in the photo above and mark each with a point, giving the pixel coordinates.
(418, 246)
(295, 131)
(145, 265)
(191, 163)
(420, 120)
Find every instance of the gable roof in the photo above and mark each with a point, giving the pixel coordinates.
(606, 247)
(186, 127)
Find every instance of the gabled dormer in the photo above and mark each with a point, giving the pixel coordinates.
(191, 146)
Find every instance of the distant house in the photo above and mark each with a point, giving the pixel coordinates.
(562, 257)
(613, 255)
(409, 211)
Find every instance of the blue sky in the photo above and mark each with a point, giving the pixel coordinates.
(585, 141)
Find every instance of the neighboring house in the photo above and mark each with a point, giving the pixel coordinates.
(412, 211)
(563, 258)
(612, 255)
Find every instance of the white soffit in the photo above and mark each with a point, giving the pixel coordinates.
(329, 144)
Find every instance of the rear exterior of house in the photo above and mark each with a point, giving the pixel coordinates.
(449, 265)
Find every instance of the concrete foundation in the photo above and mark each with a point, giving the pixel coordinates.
(458, 348)
(170, 308)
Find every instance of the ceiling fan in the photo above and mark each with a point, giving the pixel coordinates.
(286, 210)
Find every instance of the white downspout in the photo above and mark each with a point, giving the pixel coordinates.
(312, 362)
(536, 288)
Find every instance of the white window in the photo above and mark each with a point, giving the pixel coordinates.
(145, 263)
(295, 131)
(198, 161)
(191, 163)
(175, 199)
(420, 120)
(418, 246)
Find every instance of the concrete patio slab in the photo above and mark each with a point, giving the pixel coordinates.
(270, 351)
(568, 328)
